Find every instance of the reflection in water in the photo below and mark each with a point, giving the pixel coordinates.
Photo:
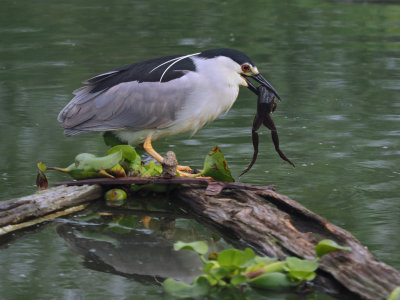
(136, 244)
(145, 254)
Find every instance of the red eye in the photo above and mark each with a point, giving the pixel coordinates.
(245, 68)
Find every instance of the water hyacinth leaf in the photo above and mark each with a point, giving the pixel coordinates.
(129, 155)
(294, 263)
(215, 166)
(278, 266)
(264, 260)
(272, 281)
(151, 169)
(209, 265)
(328, 246)
(117, 171)
(89, 162)
(301, 270)
(128, 152)
(395, 295)
(179, 289)
(256, 270)
(235, 257)
(239, 279)
(199, 247)
(77, 173)
(219, 272)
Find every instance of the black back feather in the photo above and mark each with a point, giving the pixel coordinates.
(142, 72)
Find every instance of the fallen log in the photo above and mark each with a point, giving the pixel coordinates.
(270, 223)
(19, 213)
(277, 226)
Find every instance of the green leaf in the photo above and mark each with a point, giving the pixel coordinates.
(41, 166)
(238, 279)
(264, 260)
(198, 247)
(179, 289)
(235, 257)
(215, 166)
(275, 267)
(209, 265)
(272, 281)
(129, 155)
(302, 275)
(219, 272)
(395, 295)
(300, 269)
(294, 263)
(89, 162)
(328, 246)
(151, 169)
(117, 171)
(76, 173)
(128, 152)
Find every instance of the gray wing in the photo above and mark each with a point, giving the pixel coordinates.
(126, 106)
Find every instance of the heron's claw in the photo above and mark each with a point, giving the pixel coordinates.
(184, 168)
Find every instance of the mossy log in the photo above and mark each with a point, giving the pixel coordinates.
(270, 223)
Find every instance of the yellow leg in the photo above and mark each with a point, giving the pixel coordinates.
(150, 150)
(153, 153)
(184, 168)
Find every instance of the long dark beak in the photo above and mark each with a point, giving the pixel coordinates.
(260, 79)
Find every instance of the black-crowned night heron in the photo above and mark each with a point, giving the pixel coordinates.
(159, 97)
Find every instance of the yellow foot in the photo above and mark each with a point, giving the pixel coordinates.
(184, 174)
(184, 168)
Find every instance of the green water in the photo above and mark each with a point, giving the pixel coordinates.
(336, 64)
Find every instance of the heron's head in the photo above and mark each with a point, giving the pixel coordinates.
(242, 65)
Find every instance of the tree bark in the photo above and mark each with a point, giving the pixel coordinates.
(277, 226)
(45, 202)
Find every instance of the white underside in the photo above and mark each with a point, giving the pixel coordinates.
(212, 94)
